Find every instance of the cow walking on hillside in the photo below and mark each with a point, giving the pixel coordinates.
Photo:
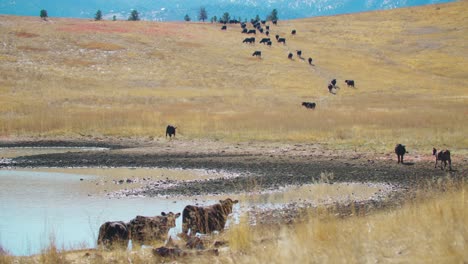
(257, 53)
(171, 131)
(444, 157)
(309, 105)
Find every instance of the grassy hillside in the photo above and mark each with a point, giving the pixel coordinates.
(118, 78)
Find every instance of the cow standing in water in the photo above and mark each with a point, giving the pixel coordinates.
(170, 130)
(206, 219)
(443, 156)
(400, 150)
(145, 229)
(113, 234)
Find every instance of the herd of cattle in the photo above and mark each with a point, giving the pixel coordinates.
(143, 230)
(443, 156)
(257, 27)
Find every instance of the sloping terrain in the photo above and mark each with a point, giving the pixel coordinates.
(76, 77)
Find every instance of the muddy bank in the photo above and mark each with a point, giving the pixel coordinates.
(260, 166)
(257, 167)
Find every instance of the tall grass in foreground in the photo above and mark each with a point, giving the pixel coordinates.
(430, 230)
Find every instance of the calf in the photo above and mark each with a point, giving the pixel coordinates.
(333, 82)
(145, 229)
(330, 88)
(310, 61)
(290, 56)
(309, 105)
(282, 40)
(293, 32)
(171, 131)
(299, 53)
(443, 156)
(206, 220)
(350, 83)
(400, 151)
(112, 234)
(223, 27)
(257, 53)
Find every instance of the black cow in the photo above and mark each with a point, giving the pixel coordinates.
(330, 88)
(275, 22)
(243, 25)
(299, 53)
(269, 43)
(252, 31)
(267, 33)
(257, 53)
(112, 234)
(443, 156)
(293, 32)
(170, 130)
(244, 31)
(350, 83)
(290, 56)
(277, 37)
(207, 219)
(310, 61)
(400, 151)
(249, 40)
(309, 105)
(333, 82)
(267, 27)
(264, 40)
(223, 27)
(282, 40)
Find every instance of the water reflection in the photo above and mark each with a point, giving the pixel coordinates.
(35, 205)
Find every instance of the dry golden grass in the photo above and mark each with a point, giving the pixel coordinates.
(120, 78)
(430, 231)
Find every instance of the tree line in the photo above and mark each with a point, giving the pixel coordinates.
(226, 17)
(202, 16)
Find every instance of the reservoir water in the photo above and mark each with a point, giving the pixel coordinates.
(36, 207)
(68, 205)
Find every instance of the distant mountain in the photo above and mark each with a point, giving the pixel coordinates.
(170, 10)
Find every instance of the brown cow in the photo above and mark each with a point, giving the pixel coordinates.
(443, 156)
(145, 229)
(207, 219)
(113, 234)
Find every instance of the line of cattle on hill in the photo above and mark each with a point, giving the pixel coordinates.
(257, 27)
(144, 230)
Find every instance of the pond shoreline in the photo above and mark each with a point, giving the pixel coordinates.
(259, 166)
